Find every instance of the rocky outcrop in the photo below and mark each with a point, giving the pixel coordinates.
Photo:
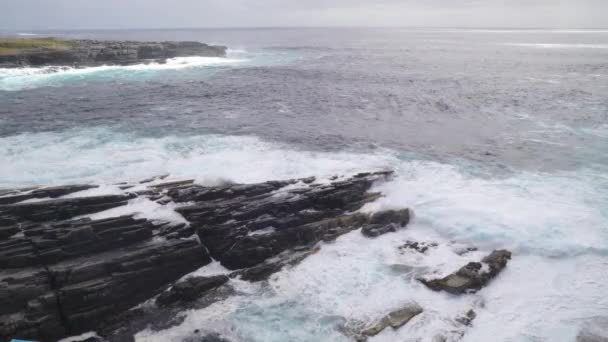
(473, 276)
(80, 53)
(63, 275)
(420, 247)
(395, 319)
(244, 225)
(386, 222)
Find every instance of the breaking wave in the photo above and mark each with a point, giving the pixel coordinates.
(27, 78)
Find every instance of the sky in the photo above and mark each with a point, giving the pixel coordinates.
(124, 14)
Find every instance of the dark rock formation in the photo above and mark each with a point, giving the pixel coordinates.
(243, 225)
(52, 192)
(190, 289)
(209, 338)
(420, 247)
(80, 53)
(385, 222)
(60, 275)
(473, 276)
(62, 209)
(396, 319)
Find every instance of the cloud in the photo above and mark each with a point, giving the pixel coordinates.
(74, 14)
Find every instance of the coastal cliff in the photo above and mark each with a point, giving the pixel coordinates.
(80, 53)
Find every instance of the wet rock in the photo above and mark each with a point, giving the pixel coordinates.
(227, 217)
(399, 217)
(54, 242)
(152, 179)
(173, 185)
(420, 247)
(88, 338)
(97, 286)
(8, 231)
(28, 305)
(464, 250)
(395, 319)
(78, 275)
(596, 330)
(264, 270)
(473, 276)
(190, 289)
(386, 222)
(48, 192)
(467, 319)
(213, 337)
(63, 209)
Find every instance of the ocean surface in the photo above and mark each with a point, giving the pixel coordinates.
(499, 139)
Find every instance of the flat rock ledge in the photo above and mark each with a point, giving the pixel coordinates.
(62, 274)
(81, 53)
(473, 276)
(395, 319)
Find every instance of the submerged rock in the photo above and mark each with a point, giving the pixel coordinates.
(473, 276)
(420, 247)
(468, 318)
(396, 319)
(386, 221)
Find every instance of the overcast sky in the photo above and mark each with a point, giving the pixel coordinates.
(91, 14)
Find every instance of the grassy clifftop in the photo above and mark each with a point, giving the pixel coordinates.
(18, 45)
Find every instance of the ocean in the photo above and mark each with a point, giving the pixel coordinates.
(499, 139)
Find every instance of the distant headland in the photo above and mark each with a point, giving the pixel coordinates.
(37, 52)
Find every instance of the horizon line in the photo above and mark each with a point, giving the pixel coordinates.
(302, 27)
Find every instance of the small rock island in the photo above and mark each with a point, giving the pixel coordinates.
(38, 52)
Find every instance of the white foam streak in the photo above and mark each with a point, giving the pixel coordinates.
(143, 208)
(26, 78)
(560, 46)
(102, 156)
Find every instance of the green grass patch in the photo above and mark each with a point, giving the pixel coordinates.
(15, 45)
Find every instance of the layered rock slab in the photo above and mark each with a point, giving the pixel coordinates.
(63, 275)
(473, 276)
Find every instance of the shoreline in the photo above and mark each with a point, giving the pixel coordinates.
(41, 52)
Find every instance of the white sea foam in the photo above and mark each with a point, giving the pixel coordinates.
(358, 279)
(103, 156)
(560, 46)
(555, 223)
(143, 208)
(12, 79)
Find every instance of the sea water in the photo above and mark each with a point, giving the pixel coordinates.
(498, 138)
